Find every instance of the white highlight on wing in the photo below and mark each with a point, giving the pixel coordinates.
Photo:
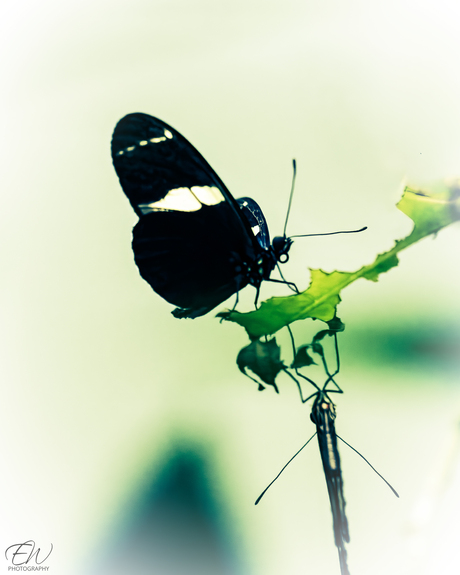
(255, 230)
(209, 195)
(167, 136)
(185, 200)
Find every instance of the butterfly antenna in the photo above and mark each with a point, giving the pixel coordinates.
(332, 233)
(272, 482)
(294, 172)
(371, 466)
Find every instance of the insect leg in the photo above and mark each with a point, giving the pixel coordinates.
(236, 301)
(330, 376)
(256, 300)
(302, 399)
(289, 284)
(222, 318)
(291, 335)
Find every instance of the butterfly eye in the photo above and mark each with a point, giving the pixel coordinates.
(281, 246)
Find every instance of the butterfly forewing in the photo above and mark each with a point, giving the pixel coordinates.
(151, 158)
(191, 241)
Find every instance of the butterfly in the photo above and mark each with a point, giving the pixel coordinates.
(195, 244)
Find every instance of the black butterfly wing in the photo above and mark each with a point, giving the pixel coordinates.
(256, 219)
(191, 241)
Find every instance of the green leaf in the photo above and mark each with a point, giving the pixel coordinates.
(335, 324)
(302, 358)
(263, 359)
(430, 212)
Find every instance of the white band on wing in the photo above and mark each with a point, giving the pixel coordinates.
(185, 200)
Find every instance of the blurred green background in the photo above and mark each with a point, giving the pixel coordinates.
(125, 433)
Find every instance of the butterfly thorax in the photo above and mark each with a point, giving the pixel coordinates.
(261, 268)
(323, 411)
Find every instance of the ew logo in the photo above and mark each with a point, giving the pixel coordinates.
(24, 557)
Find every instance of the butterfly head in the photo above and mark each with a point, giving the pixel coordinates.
(281, 246)
(322, 409)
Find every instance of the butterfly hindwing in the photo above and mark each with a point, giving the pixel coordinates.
(197, 268)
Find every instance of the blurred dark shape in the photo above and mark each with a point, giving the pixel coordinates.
(420, 345)
(175, 527)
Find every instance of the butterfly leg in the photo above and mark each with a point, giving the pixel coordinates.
(318, 349)
(330, 376)
(299, 387)
(236, 301)
(233, 308)
(256, 300)
(289, 284)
